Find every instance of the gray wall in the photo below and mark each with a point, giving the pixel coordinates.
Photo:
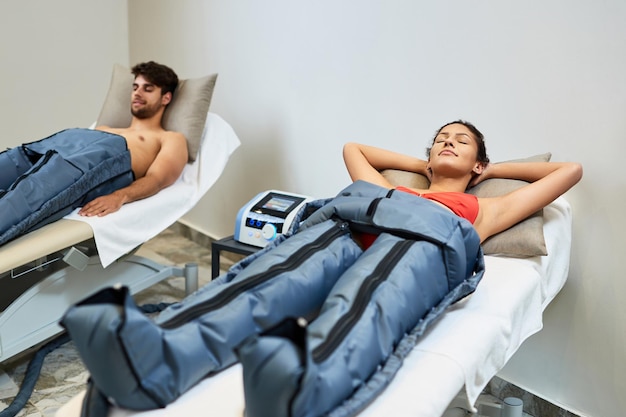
(56, 63)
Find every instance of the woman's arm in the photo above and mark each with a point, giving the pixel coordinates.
(365, 163)
(525, 171)
(548, 180)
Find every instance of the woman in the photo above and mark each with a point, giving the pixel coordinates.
(458, 160)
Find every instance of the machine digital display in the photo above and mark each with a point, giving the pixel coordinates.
(278, 204)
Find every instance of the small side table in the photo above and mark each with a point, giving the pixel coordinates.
(231, 245)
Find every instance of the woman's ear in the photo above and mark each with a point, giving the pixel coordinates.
(479, 167)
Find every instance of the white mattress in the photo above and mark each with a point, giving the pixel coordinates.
(466, 347)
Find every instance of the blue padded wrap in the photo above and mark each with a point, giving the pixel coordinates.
(383, 376)
(273, 354)
(13, 163)
(72, 167)
(101, 316)
(49, 176)
(84, 148)
(196, 337)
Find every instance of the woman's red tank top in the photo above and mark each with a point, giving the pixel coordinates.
(462, 204)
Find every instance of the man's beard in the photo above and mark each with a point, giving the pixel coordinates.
(145, 112)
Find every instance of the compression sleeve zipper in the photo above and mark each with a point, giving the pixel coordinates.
(343, 326)
(375, 202)
(291, 263)
(45, 158)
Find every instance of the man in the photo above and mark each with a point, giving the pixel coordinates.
(158, 156)
(100, 169)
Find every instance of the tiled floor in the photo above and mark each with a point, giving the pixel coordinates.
(63, 375)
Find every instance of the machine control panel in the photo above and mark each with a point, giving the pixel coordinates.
(266, 216)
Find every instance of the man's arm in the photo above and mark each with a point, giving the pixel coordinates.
(163, 172)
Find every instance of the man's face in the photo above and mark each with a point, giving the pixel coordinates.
(146, 99)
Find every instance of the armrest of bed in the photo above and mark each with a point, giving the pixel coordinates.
(41, 242)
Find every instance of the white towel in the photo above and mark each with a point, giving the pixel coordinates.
(119, 233)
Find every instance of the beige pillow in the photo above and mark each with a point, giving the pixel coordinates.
(522, 240)
(185, 114)
(405, 178)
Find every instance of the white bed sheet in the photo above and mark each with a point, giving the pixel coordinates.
(121, 232)
(471, 342)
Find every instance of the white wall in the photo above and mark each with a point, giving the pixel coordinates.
(298, 79)
(56, 59)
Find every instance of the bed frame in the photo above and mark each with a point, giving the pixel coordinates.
(44, 272)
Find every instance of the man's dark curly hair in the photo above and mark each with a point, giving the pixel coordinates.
(160, 75)
(481, 155)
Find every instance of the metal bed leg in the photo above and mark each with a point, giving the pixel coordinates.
(512, 407)
(191, 278)
(509, 407)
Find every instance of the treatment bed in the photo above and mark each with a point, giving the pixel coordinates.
(456, 357)
(45, 271)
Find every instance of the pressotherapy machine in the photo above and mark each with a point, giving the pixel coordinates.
(266, 216)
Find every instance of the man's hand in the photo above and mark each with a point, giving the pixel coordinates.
(102, 206)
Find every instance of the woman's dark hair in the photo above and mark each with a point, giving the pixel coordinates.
(158, 74)
(481, 155)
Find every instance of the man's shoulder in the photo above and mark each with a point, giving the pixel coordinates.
(174, 133)
(174, 136)
(173, 139)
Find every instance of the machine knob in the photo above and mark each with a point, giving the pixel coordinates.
(269, 231)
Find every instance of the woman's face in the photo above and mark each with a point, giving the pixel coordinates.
(455, 148)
